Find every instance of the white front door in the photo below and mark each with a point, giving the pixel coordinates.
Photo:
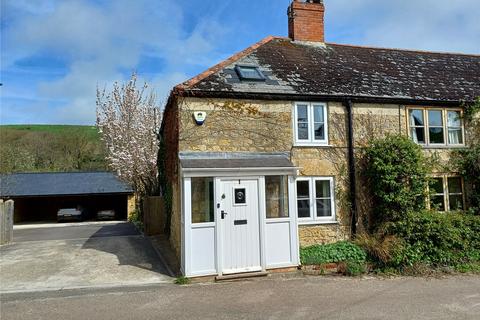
(240, 226)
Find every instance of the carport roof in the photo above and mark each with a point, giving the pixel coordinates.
(61, 183)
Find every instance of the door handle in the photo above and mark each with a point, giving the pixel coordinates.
(223, 213)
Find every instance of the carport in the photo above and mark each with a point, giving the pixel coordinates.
(38, 196)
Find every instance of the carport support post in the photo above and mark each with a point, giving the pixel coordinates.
(131, 204)
(6, 221)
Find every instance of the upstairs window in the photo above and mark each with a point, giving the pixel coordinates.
(249, 73)
(432, 127)
(311, 127)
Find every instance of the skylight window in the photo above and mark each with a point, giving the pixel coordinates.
(250, 73)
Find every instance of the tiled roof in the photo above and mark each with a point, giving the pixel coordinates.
(64, 183)
(295, 68)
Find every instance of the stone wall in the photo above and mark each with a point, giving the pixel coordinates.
(176, 223)
(266, 126)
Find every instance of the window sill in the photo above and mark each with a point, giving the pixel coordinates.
(316, 145)
(442, 146)
(316, 222)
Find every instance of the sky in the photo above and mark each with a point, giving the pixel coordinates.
(55, 53)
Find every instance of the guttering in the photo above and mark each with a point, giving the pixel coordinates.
(352, 170)
(316, 97)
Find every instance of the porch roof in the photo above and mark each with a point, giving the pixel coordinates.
(235, 161)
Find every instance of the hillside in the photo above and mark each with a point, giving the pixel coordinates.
(39, 148)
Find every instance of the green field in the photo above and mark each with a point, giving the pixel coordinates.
(90, 131)
(40, 148)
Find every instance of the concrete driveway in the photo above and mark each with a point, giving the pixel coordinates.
(49, 257)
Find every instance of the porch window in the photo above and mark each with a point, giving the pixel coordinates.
(434, 127)
(311, 126)
(276, 192)
(446, 193)
(315, 200)
(202, 200)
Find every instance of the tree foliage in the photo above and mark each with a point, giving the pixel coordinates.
(128, 120)
(397, 173)
(50, 148)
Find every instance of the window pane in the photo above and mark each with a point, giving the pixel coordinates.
(302, 113)
(418, 135)
(322, 189)
(454, 185)
(456, 202)
(318, 114)
(324, 208)
(202, 200)
(276, 191)
(319, 131)
(437, 185)
(455, 136)
(303, 189)
(303, 208)
(435, 118)
(416, 118)
(303, 131)
(436, 135)
(454, 119)
(437, 202)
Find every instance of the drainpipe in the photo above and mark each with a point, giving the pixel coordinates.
(351, 166)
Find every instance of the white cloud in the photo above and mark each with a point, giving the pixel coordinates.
(438, 25)
(101, 42)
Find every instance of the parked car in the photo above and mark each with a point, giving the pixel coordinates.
(69, 214)
(106, 215)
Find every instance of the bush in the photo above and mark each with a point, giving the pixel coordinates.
(136, 220)
(397, 173)
(381, 249)
(330, 253)
(438, 239)
(354, 268)
(468, 164)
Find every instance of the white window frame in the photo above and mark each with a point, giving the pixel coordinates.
(313, 219)
(311, 141)
(426, 126)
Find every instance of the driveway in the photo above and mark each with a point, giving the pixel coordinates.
(48, 257)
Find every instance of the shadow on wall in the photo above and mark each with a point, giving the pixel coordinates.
(131, 248)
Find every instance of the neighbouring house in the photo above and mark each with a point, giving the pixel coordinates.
(260, 150)
(39, 196)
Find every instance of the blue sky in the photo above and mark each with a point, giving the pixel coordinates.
(54, 53)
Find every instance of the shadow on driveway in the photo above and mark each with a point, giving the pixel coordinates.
(130, 249)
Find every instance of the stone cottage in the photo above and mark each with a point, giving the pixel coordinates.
(259, 150)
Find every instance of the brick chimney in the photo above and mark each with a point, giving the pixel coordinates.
(306, 20)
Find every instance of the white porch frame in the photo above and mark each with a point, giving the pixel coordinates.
(212, 229)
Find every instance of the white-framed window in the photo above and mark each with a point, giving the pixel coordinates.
(446, 193)
(310, 123)
(436, 127)
(315, 199)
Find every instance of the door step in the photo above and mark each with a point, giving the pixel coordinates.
(237, 276)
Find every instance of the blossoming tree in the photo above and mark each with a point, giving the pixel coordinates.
(128, 120)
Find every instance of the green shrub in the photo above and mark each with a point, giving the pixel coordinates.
(354, 268)
(468, 164)
(397, 173)
(182, 280)
(438, 239)
(136, 220)
(335, 252)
